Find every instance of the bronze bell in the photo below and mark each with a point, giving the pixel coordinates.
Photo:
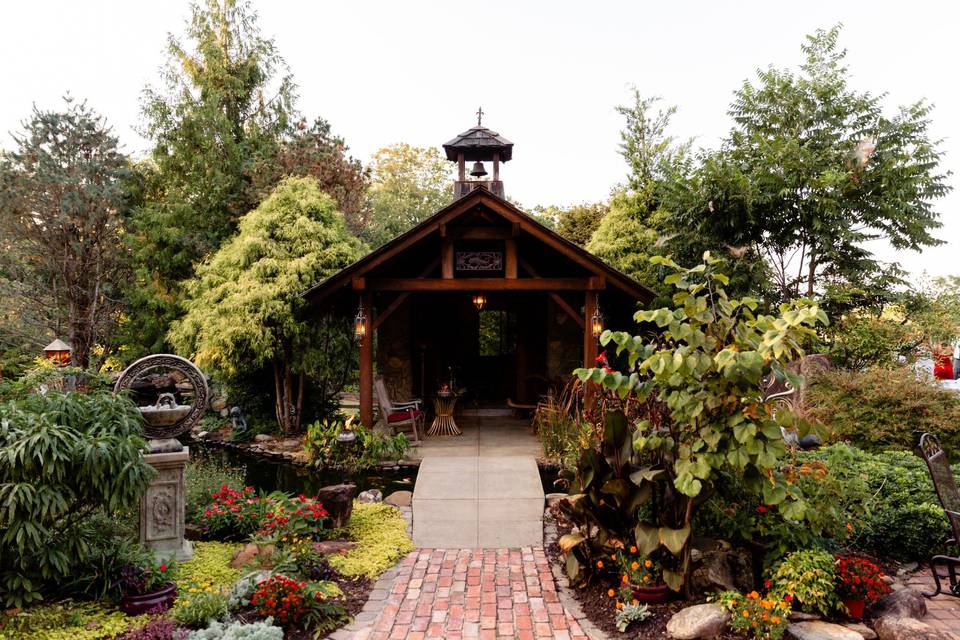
(478, 170)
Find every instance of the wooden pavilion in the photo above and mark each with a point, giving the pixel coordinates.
(480, 292)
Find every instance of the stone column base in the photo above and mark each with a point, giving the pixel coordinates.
(162, 506)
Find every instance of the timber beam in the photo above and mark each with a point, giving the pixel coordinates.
(479, 284)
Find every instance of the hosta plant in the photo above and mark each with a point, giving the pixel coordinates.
(704, 361)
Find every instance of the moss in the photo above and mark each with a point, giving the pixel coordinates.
(381, 536)
(68, 620)
(210, 563)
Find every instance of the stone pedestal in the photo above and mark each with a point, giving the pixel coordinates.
(162, 506)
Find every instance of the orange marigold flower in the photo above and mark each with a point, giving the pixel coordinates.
(619, 605)
(633, 549)
(647, 563)
(634, 565)
(746, 614)
(599, 564)
(775, 619)
(611, 593)
(624, 578)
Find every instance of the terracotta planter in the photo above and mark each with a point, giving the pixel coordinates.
(854, 607)
(159, 600)
(653, 595)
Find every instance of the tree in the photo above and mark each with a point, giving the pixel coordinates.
(64, 205)
(226, 103)
(314, 151)
(577, 223)
(244, 308)
(408, 184)
(813, 169)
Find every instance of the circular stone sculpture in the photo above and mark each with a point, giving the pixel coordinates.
(168, 419)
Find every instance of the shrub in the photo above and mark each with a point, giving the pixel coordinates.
(879, 408)
(381, 536)
(198, 603)
(369, 449)
(764, 618)
(234, 514)
(289, 602)
(157, 629)
(63, 457)
(860, 579)
(206, 476)
(862, 340)
(112, 544)
(261, 630)
(67, 620)
(807, 578)
(292, 518)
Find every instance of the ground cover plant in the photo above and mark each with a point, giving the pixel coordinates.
(369, 449)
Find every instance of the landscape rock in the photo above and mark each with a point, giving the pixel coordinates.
(865, 632)
(553, 499)
(290, 444)
(300, 457)
(399, 498)
(819, 630)
(253, 554)
(370, 495)
(802, 616)
(903, 603)
(722, 571)
(263, 437)
(894, 628)
(330, 547)
(218, 404)
(337, 499)
(698, 621)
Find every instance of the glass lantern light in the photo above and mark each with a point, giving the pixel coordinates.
(479, 301)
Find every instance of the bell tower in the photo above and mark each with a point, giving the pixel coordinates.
(478, 145)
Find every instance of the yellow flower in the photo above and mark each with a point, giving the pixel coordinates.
(635, 565)
(647, 563)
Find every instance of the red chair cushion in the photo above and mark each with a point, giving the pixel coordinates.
(407, 414)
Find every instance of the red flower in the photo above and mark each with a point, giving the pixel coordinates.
(761, 509)
(163, 567)
(768, 584)
(788, 598)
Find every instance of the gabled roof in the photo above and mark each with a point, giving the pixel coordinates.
(479, 143)
(496, 204)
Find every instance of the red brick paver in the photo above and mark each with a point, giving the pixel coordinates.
(473, 593)
(943, 611)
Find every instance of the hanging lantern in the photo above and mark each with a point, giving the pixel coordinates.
(479, 301)
(360, 323)
(58, 351)
(596, 322)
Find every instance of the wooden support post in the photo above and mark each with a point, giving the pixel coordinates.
(496, 167)
(446, 258)
(366, 363)
(589, 342)
(510, 261)
(461, 167)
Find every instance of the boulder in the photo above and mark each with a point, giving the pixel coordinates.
(802, 616)
(865, 632)
(330, 547)
(399, 498)
(253, 554)
(894, 628)
(698, 621)
(263, 437)
(902, 603)
(337, 499)
(722, 570)
(370, 495)
(218, 404)
(553, 499)
(289, 444)
(819, 630)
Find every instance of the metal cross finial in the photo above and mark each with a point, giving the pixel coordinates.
(479, 115)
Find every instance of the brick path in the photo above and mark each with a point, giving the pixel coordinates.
(943, 612)
(470, 593)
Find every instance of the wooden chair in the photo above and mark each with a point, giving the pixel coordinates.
(399, 414)
(946, 486)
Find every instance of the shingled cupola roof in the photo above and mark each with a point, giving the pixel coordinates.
(478, 144)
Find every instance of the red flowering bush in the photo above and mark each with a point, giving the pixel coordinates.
(289, 518)
(234, 514)
(860, 579)
(283, 598)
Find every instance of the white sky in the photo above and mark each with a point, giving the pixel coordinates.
(548, 74)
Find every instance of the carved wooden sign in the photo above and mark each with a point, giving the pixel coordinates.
(479, 261)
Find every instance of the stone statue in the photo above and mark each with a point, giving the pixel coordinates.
(162, 506)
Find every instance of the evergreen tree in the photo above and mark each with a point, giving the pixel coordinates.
(244, 308)
(62, 212)
(577, 223)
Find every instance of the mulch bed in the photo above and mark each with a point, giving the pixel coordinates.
(599, 607)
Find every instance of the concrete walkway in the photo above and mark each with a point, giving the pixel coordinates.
(480, 490)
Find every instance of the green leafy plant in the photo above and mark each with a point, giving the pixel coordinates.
(67, 620)
(198, 603)
(205, 476)
(369, 448)
(63, 458)
(563, 436)
(629, 614)
(807, 578)
(704, 368)
(763, 618)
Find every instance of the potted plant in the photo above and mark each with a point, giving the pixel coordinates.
(859, 583)
(147, 586)
(641, 578)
